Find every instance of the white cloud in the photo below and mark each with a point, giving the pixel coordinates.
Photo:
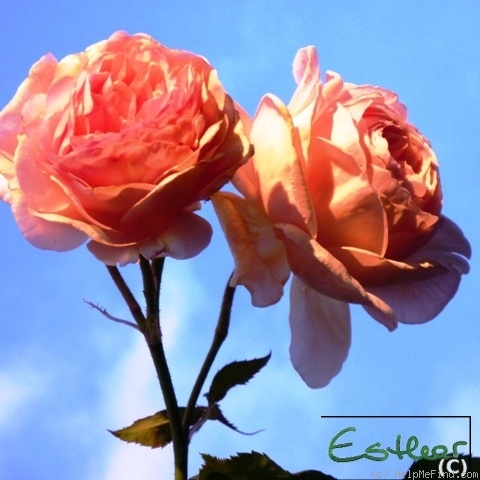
(18, 388)
(133, 461)
(133, 394)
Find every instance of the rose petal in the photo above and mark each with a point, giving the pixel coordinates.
(373, 270)
(418, 301)
(447, 238)
(4, 190)
(44, 234)
(347, 208)
(185, 238)
(321, 334)
(43, 193)
(245, 179)
(197, 180)
(421, 300)
(306, 71)
(38, 81)
(320, 270)
(260, 260)
(283, 189)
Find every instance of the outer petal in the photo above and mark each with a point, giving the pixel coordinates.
(320, 270)
(321, 334)
(185, 238)
(282, 185)
(44, 234)
(419, 301)
(373, 270)
(306, 71)
(38, 81)
(41, 190)
(245, 179)
(260, 260)
(447, 240)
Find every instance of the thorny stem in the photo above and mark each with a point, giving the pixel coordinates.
(221, 332)
(180, 442)
(157, 269)
(152, 274)
(104, 312)
(149, 325)
(131, 301)
(149, 289)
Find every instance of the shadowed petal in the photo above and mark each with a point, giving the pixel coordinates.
(320, 270)
(448, 239)
(346, 205)
(283, 188)
(260, 260)
(245, 179)
(418, 301)
(321, 334)
(373, 270)
(185, 238)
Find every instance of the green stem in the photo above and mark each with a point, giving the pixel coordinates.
(157, 269)
(180, 442)
(152, 274)
(149, 325)
(127, 295)
(149, 288)
(221, 332)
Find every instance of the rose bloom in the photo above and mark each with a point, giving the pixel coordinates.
(118, 145)
(344, 193)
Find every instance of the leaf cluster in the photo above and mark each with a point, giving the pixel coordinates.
(154, 431)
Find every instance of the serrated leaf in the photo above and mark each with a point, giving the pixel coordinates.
(251, 466)
(235, 373)
(216, 414)
(154, 431)
(243, 466)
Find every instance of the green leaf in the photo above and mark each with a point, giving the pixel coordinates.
(154, 431)
(235, 373)
(216, 414)
(251, 466)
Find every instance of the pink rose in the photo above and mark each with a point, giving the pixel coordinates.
(119, 144)
(344, 193)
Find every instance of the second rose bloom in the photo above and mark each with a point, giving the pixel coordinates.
(344, 193)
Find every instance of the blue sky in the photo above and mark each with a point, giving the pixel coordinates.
(67, 374)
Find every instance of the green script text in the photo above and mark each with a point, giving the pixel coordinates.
(378, 454)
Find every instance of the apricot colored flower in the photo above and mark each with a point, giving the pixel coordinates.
(345, 193)
(118, 145)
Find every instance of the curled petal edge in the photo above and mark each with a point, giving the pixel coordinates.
(260, 260)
